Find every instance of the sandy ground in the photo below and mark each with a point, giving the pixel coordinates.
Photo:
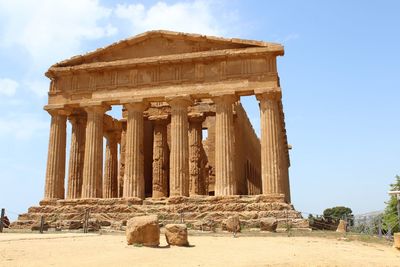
(111, 250)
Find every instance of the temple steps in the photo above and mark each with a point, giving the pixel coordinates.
(195, 211)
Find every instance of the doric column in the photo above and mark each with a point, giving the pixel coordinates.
(160, 156)
(76, 155)
(55, 172)
(110, 178)
(196, 181)
(284, 155)
(271, 160)
(134, 160)
(93, 163)
(179, 155)
(121, 172)
(225, 178)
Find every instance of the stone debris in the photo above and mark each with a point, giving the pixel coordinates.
(36, 227)
(342, 227)
(93, 225)
(232, 224)
(268, 224)
(143, 230)
(176, 234)
(396, 242)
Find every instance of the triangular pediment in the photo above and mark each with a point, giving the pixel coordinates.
(160, 43)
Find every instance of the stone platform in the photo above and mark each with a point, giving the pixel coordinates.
(198, 212)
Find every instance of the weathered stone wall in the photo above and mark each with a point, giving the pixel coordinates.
(148, 156)
(247, 154)
(209, 148)
(197, 211)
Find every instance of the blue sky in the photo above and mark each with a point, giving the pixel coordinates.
(340, 78)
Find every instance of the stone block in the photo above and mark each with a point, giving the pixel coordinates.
(268, 224)
(342, 227)
(232, 224)
(205, 225)
(117, 225)
(36, 227)
(300, 223)
(105, 223)
(143, 230)
(176, 234)
(93, 225)
(396, 242)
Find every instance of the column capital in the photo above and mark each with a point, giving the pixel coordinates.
(196, 117)
(59, 111)
(227, 98)
(136, 105)
(161, 119)
(75, 117)
(112, 135)
(96, 108)
(180, 101)
(273, 94)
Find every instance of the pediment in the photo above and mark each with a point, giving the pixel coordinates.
(161, 43)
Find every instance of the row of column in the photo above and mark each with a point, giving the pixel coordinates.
(87, 151)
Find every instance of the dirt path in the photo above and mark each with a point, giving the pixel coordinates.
(111, 250)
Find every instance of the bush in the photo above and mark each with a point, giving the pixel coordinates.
(390, 217)
(337, 213)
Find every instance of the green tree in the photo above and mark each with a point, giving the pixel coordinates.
(390, 218)
(337, 213)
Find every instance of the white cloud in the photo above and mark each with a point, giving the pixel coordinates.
(8, 87)
(52, 29)
(49, 31)
(194, 17)
(32, 125)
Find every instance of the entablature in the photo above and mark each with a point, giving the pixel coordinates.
(197, 74)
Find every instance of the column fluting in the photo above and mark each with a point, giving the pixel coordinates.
(121, 172)
(134, 158)
(76, 155)
(179, 154)
(196, 181)
(110, 179)
(160, 157)
(225, 177)
(271, 159)
(55, 171)
(93, 159)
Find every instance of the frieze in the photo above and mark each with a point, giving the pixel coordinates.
(165, 74)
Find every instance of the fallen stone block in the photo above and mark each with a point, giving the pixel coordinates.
(342, 227)
(176, 234)
(396, 242)
(36, 227)
(268, 224)
(143, 230)
(232, 224)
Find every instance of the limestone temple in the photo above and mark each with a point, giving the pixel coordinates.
(184, 146)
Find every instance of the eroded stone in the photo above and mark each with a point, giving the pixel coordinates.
(232, 224)
(143, 230)
(268, 224)
(176, 234)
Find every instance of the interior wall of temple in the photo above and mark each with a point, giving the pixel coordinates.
(148, 157)
(247, 154)
(209, 149)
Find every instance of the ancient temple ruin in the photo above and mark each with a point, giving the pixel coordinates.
(173, 88)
